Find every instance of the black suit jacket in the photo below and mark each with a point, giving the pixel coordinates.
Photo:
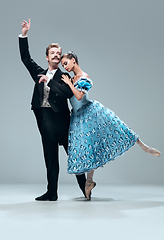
(59, 91)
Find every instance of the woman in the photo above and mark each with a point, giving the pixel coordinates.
(96, 134)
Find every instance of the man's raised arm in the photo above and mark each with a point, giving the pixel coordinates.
(33, 68)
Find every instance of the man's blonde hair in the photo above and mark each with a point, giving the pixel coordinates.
(53, 45)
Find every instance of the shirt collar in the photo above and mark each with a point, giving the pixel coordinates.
(52, 72)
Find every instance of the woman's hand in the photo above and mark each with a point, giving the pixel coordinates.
(66, 79)
(78, 95)
(43, 78)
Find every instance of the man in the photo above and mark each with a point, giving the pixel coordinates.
(49, 104)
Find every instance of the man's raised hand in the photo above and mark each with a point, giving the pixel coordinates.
(25, 27)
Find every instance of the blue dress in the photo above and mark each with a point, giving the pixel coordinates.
(96, 134)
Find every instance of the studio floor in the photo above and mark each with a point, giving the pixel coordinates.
(115, 212)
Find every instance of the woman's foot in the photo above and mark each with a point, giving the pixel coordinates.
(152, 151)
(88, 188)
(148, 149)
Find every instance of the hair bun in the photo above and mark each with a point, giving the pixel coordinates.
(72, 53)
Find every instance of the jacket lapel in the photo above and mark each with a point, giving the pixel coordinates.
(41, 85)
(57, 75)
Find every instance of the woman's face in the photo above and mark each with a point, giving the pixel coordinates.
(68, 64)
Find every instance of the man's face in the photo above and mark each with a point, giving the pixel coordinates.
(54, 55)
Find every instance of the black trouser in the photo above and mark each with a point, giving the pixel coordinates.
(53, 127)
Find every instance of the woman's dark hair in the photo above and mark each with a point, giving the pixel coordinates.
(70, 55)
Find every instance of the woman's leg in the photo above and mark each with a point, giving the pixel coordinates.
(148, 149)
(89, 185)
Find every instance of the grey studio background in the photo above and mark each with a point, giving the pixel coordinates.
(120, 45)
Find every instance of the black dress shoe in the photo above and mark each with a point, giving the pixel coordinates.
(53, 199)
(46, 197)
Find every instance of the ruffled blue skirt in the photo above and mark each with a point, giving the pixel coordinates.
(96, 136)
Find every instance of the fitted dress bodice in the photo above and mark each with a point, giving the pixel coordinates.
(80, 84)
(76, 105)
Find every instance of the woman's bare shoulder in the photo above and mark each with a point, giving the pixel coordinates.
(85, 75)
